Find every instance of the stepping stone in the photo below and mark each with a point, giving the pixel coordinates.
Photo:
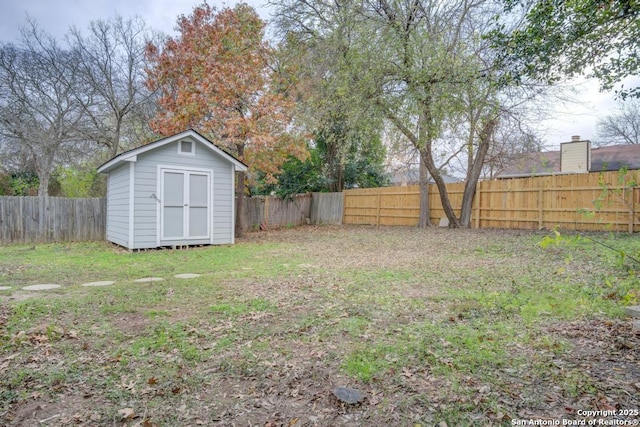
(187, 276)
(347, 395)
(633, 311)
(44, 287)
(103, 283)
(5, 288)
(149, 279)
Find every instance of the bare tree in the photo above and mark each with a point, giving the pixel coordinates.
(39, 109)
(512, 140)
(111, 62)
(623, 126)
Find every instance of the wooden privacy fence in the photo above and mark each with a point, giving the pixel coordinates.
(59, 219)
(275, 212)
(566, 201)
(326, 208)
(51, 219)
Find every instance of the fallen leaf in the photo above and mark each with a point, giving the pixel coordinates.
(484, 389)
(126, 413)
(406, 373)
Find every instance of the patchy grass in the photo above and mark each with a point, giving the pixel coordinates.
(467, 327)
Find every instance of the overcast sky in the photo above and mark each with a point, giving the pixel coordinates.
(56, 16)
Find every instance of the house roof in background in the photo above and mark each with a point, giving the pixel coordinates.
(614, 157)
(609, 158)
(412, 177)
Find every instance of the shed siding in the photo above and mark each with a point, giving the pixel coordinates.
(146, 185)
(118, 206)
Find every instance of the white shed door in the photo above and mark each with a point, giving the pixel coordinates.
(185, 205)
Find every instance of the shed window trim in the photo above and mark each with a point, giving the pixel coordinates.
(186, 147)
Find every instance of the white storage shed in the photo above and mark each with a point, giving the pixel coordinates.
(176, 191)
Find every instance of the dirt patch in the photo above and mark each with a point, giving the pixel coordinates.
(65, 409)
(130, 323)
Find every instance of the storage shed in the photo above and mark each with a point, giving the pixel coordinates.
(175, 191)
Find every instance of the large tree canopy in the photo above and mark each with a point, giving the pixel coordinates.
(415, 61)
(40, 109)
(567, 38)
(218, 76)
(111, 62)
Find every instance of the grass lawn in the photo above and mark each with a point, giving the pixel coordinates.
(435, 327)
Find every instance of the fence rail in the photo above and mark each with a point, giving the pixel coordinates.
(51, 219)
(566, 201)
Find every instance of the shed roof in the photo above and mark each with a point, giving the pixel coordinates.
(131, 154)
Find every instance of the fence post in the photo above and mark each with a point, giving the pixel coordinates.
(266, 211)
(344, 205)
(379, 203)
(632, 210)
(540, 207)
(478, 192)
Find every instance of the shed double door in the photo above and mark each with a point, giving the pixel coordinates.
(185, 205)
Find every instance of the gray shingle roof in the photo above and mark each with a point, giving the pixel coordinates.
(610, 158)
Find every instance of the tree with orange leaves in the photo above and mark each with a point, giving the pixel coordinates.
(217, 77)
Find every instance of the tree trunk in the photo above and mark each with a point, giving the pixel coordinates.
(426, 135)
(43, 187)
(115, 143)
(473, 174)
(425, 211)
(44, 166)
(442, 189)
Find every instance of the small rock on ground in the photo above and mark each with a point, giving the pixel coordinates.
(43, 287)
(103, 283)
(186, 276)
(149, 279)
(5, 288)
(633, 311)
(348, 395)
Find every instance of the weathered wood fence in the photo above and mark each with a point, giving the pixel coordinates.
(326, 208)
(565, 201)
(59, 219)
(51, 219)
(275, 212)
